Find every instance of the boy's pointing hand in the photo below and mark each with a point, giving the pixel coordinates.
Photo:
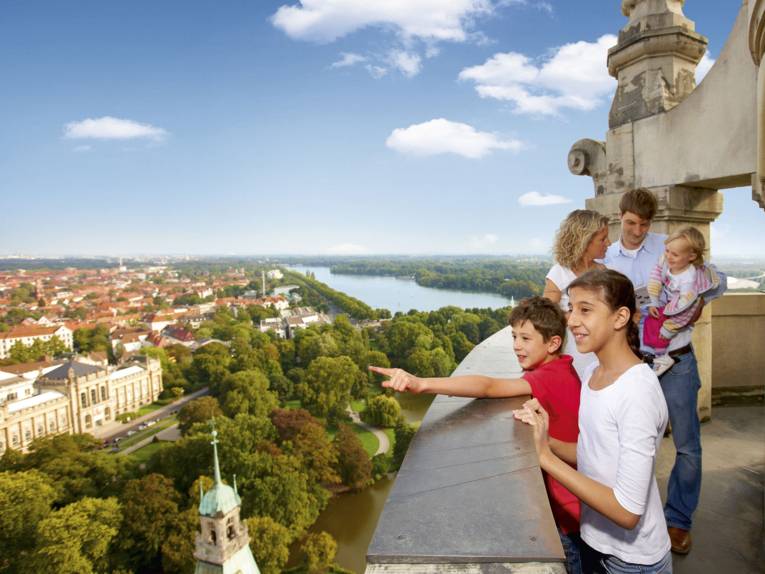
(399, 380)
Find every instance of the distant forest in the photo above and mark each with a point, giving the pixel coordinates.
(517, 277)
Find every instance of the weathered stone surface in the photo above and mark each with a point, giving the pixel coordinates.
(470, 490)
(654, 60)
(530, 568)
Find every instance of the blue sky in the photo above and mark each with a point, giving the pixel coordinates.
(343, 126)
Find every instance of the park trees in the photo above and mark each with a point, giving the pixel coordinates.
(403, 433)
(382, 411)
(76, 539)
(302, 435)
(209, 365)
(319, 549)
(25, 499)
(247, 392)
(353, 464)
(199, 410)
(269, 542)
(327, 388)
(76, 467)
(150, 511)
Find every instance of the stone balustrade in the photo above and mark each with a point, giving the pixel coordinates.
(469, 496)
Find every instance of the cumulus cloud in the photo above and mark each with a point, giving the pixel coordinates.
(536, 199)
(440, 136)
(328, 20)
(348, 59)
(483, 241)
(347, 249)
(109, 128)
(573, 76)
(376, 72)
(407, 63)
(704, 66)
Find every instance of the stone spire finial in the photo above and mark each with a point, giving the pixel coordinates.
(214, 443)
(654, 61)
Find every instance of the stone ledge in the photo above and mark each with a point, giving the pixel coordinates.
(470, 492)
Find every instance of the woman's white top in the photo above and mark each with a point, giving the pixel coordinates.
(620, 430)
(562, 277)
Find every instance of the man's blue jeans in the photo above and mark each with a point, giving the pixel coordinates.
(681, 386)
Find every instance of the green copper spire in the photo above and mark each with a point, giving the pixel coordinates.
(221, 498)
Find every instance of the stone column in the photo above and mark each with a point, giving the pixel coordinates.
(757, 48)
(654, 60)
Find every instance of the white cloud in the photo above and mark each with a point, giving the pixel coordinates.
(538, 4)
(348, 59)
(109, 128)
(440, 136)
(407, 63)
(483, 241)
(574, 76)
(536, 199)
(347, 249)
(704, 66)
(376, 72)
(328, 20)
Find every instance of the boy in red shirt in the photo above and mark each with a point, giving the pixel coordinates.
(539, 328)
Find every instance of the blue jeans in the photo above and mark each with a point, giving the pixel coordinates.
(571, 543)
(594, 562)
(681, 386)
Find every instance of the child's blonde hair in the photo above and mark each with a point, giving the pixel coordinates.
(575, 234)
(695, 240)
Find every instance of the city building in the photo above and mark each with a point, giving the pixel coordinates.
(71, 397)
(28, 334)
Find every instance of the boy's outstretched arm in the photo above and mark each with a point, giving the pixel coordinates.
(477, 386)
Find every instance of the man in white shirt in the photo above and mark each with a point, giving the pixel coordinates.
(635, 254)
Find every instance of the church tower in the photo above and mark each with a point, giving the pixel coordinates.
(223, 545)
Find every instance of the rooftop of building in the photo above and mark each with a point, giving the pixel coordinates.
(61, 373)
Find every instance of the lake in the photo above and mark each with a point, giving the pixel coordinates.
(402, 295)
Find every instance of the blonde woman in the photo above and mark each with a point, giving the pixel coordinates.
(581, 240)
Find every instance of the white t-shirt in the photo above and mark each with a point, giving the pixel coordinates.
(620, 430)
(683, 281)
(562, 277)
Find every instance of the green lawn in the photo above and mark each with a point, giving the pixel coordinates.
(294, 404)
(142, 455)
(368, 439)
(359, 406)
(146, 409)
(152, 430)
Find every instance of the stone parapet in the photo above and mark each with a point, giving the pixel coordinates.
(469, 496)
(738, 340)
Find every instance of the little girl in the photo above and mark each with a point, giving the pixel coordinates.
(622, 416)
(676, 285)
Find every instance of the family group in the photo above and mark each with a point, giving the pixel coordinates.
(607, 358)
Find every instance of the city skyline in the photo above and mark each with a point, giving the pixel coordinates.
(321, 128)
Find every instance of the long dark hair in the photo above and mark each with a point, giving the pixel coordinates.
(617, 292)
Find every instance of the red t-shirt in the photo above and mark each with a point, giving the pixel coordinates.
(557, 387)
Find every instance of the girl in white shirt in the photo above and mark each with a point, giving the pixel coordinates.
(581, 240)
(622, 416)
